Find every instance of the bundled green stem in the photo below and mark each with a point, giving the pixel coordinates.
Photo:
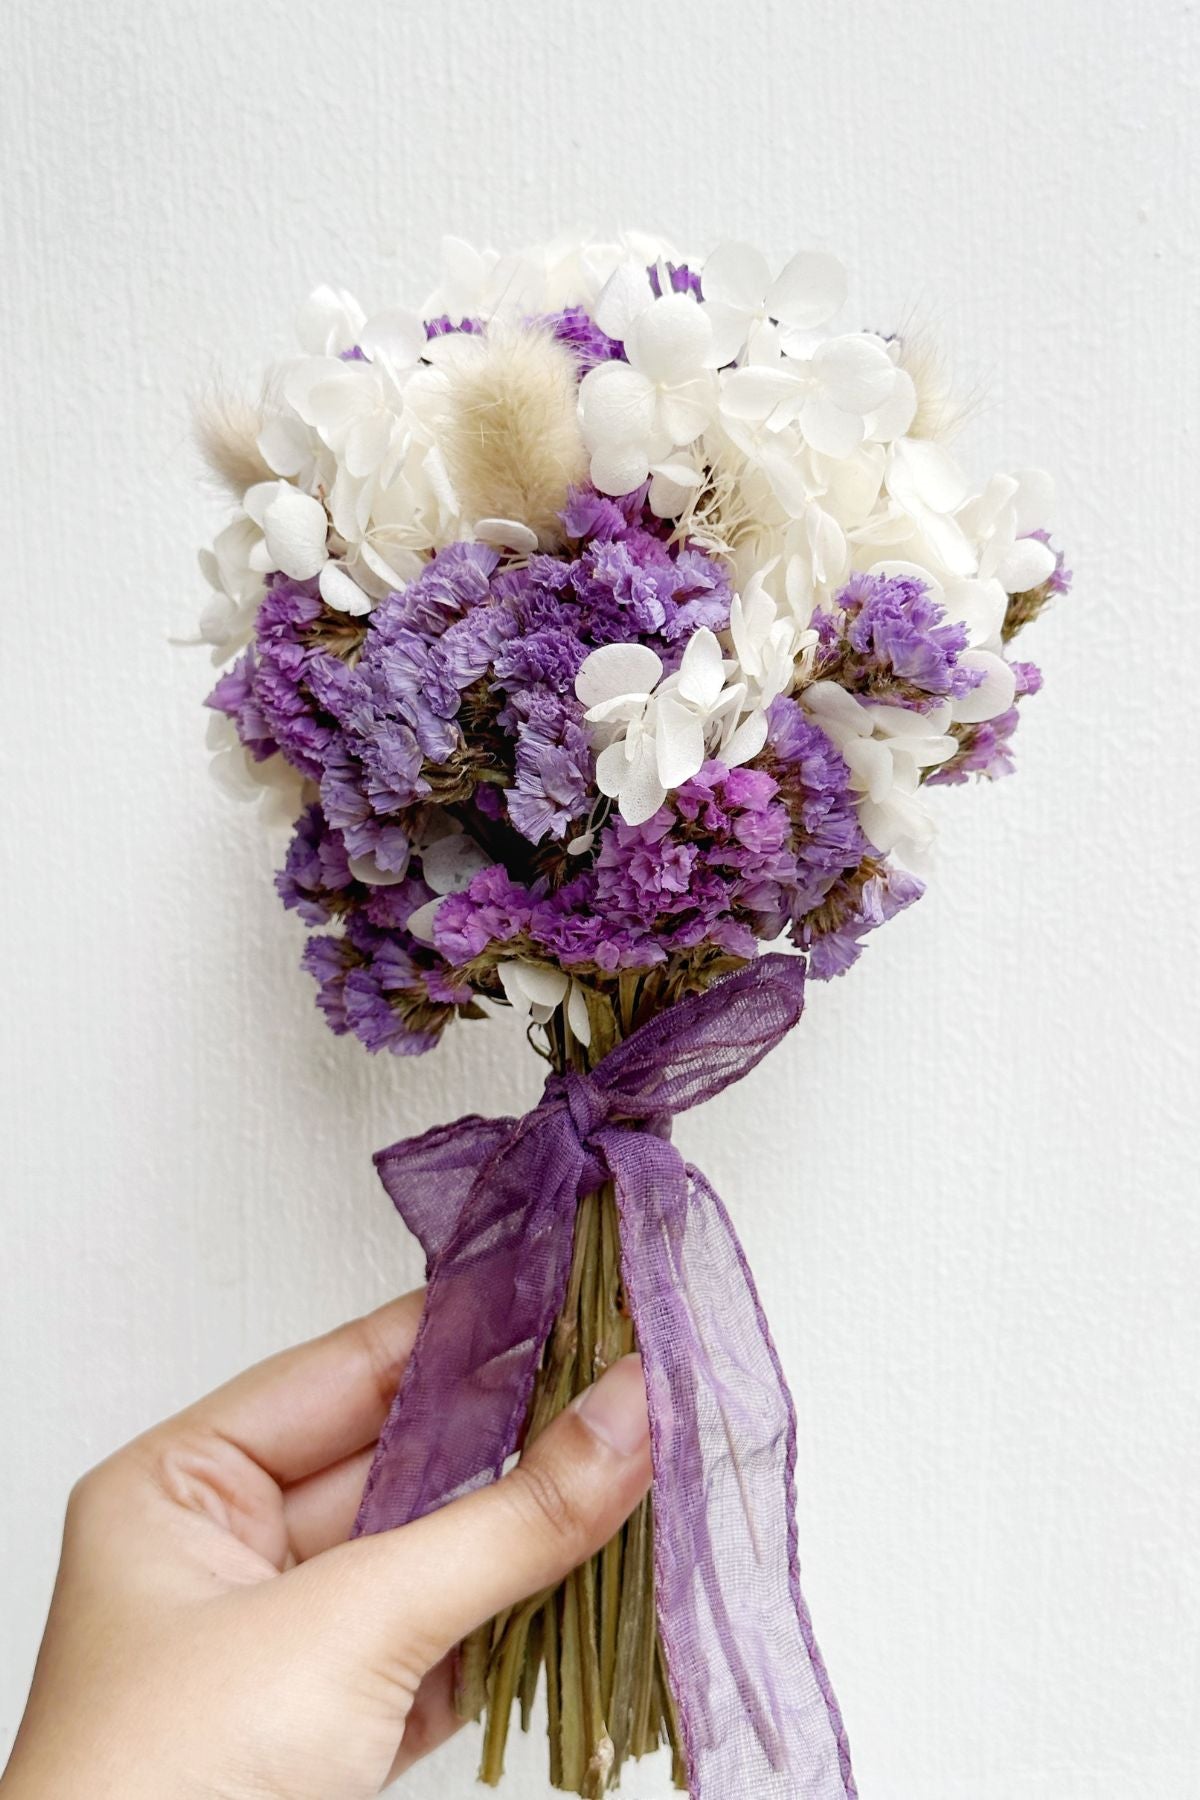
(596, 1635)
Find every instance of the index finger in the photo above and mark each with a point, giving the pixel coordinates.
(309, 1407)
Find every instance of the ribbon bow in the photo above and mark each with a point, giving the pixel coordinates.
(493, 1203)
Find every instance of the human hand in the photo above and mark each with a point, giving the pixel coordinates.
(213, 1634)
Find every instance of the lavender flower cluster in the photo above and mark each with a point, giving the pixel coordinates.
(585, 698)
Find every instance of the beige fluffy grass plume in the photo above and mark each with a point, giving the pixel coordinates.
(226, 427)
(508, 429)
(941, 411)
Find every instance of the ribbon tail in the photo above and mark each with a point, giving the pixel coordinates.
(496, 1282)
(429, 1178)
(757, 1715)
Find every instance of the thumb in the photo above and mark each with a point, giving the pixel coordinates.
(419, 1589)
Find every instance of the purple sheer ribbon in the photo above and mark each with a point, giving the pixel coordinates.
(493, 1203)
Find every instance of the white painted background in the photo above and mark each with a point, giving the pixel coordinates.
(968, 1185)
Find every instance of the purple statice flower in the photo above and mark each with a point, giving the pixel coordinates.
(358, 790)
(409, 681)
(567, 927)
(327, 959)
(836, 944)
(986, 749)
(554, 771)
(315, 869)
(267, 694)
(590, 514)
(1060, 581)
(372, 777)
(545, 650)
(895, 638)
(445, 326)
(456, 580)
(814, 785)
(390, 907)
(633, 587)
(397, 708)
(682, 279)
(235, 697)
(575, 327)
(713, 865)
(492, 909)
(382, 986)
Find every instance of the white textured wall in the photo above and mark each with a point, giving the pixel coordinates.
(968, 1184)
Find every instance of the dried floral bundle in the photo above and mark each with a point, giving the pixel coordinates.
(602, 628)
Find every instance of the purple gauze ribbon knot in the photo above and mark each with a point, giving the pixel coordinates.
(493, 1203)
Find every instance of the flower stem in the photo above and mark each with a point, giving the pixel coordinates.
(596, 1634)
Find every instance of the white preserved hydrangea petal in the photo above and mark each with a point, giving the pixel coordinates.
(980, 606)
(625, 295)
(783, 466)
(737, 275)
(671, 486)
(340, 591)
(808, 290)
(669, 342)
(902, 721)
(295, 528)
(746, 740)
(1027, 565)
(395, 569)
(507, 534)
(577, 1014)
(922, 471)
(395, 337)
(533, 986)
(730, 326)
(758, 391)
(642, 791)
(619, 468)
(1034, 499)
(329, 321)
(684, 411)
(701, 673)
(993, 696)
(338, 399)
(366, 869)
(829, 428)
(902, 823)
(893, 417)
(832, 705)
(366, 443)
(855, 372)
(285, 444)
(611, 766)
(622, 709)
(450, 863)
(218, 619)
(616, 405)
(617, 669)
(678, 741)
(870, 762)
(420, 924)
(984, 513)
(828, 552)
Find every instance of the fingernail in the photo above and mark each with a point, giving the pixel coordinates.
(615, 1407)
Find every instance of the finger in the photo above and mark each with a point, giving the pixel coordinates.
(316, 1404)
(320, 1511)
(433, 1718)
(437, 1579)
